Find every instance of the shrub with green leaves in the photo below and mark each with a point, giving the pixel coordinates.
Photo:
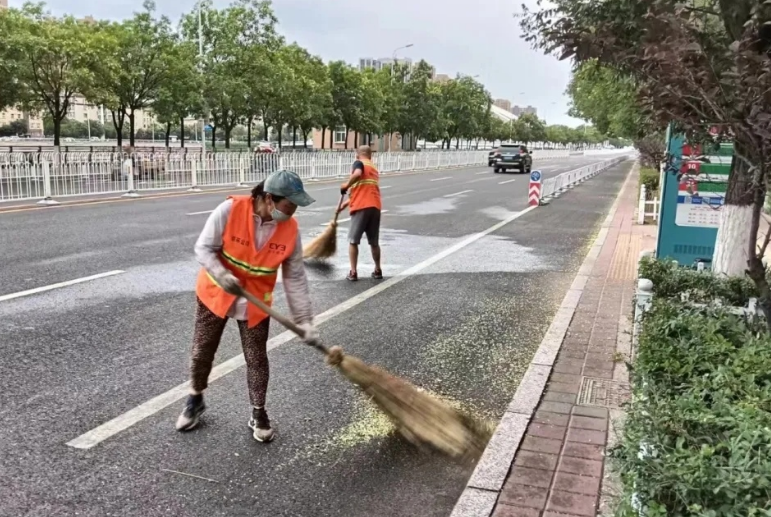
(672, 281)
(650, 178)
(697, 439)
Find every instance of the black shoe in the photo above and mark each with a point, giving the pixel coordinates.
(377, 274)
(260, 424)
(352, 276)
(194, 408)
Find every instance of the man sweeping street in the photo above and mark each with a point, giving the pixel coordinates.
(243, 243)
(364, 203)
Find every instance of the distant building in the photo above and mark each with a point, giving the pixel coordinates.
(4, 3)
(442, 78)
(503, 104)
(34, 122)
(519, 110)
(366, 63)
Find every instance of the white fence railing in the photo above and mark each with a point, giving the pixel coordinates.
(46, 176)
(557, 185)
(648, 206)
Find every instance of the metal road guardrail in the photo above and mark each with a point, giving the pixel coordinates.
(48, 175)
(554, 187)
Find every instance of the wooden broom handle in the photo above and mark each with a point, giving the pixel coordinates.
(273, 313)
(337, 212)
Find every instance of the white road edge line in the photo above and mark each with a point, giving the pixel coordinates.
(459, 193)
(480, 173)
(156, 404)
(346, 219)
(51, 287)
(385, 186)
(440, 179)
(507, 181)
(199, 213)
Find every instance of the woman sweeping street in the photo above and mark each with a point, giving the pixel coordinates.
(243, 243)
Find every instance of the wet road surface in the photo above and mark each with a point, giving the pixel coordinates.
(459, 315)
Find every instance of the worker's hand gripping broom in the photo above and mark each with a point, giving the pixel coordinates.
(419, 417)
(325, 245)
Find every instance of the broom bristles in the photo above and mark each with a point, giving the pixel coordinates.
(323, 246)
(419, 417)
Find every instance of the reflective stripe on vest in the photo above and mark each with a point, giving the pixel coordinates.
(365, 193)
(256, 270)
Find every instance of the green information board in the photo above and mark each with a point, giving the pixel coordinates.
(693, 190)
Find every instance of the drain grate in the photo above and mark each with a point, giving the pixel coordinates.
(602, 392)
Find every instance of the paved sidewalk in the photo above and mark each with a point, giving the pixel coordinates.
(558, 468)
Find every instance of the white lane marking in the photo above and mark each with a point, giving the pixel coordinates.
(480, 173)
(156, 404)
(459, 193)
(440, 179)
(68, 283)
(347, 219)
(385, 186)
(507, 181)
(199, 213)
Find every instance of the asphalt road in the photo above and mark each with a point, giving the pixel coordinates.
(464, 326)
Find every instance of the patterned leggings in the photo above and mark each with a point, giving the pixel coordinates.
(206, 339)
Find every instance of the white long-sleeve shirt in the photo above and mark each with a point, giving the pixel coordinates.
(207, 253)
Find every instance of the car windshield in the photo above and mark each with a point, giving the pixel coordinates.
(509, 149)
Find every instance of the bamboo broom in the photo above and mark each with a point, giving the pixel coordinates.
(325, 245)
(421, 418)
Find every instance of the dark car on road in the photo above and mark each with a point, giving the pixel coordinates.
(513, 157)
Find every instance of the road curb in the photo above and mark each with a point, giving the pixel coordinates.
(481, 493)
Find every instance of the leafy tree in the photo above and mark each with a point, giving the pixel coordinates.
(15, 128)
(421, 103)
(529, 128)
(10, 60)
(54, 59)
(347, 93)
(697, 64)
(465, 104)
(180, 97)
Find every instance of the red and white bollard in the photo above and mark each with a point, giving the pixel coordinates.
(534, 191)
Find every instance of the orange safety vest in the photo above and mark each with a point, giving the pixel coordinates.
(365, 193)
(256, 270)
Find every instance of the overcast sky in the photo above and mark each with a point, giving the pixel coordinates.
(474, 38)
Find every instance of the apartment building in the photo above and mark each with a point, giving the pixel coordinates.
(503, 104)
(34, 122)
(4, 3)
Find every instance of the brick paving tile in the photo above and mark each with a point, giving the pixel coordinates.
(558, 468)
(576, 504)
(584, 451)
(565, 387)
(568, 366)
(506, 510)
(544, 417)
(523, 495)
(578, 484)
(587, 436)
(553, 394)
(580, 466)
(594, 412)
(530, 477)
(555, 432)
(538, 444)
(556, 407)
(536, 460)
(585, 422)
(598, 374)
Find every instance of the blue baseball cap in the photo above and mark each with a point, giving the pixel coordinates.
(289, 185)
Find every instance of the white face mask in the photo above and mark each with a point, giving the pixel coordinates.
(279, 216)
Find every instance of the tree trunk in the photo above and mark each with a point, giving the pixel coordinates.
(227, 137)
(280, 135)
(457, 143)
(182, 132)
(731, 247)
(323, 136)
(132, 140)
(168, 133)
(267, 129)
(213, 137)
(249, 133)
(355, 139)
(57, 131)
(294, 137)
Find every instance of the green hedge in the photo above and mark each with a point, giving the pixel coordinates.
(671, 281)
(701, 408)
(650, 178)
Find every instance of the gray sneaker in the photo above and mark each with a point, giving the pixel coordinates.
(194, 408)
(260, 424)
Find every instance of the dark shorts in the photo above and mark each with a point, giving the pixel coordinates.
(366, 220)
